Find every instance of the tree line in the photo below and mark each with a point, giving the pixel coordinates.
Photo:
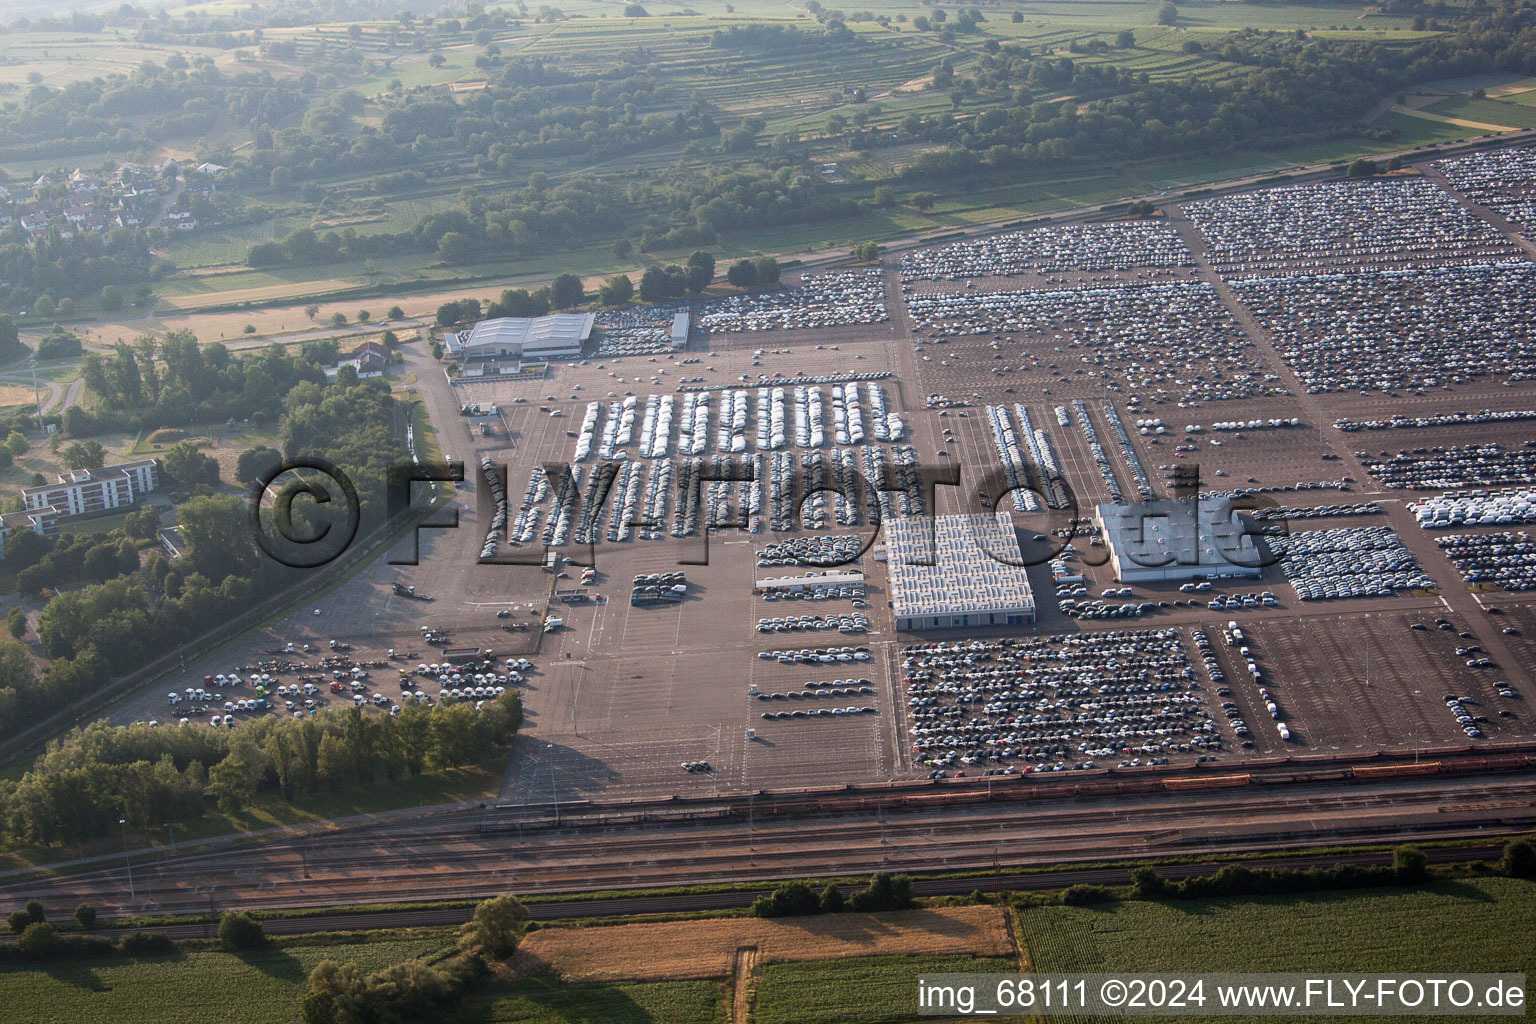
(156, 776)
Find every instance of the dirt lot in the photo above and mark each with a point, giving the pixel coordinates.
(706, 949)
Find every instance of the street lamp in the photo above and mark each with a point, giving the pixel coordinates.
(127, 864)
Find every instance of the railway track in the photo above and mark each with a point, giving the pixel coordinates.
(428, 917)
(449, 858)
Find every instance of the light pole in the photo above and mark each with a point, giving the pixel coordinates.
(127, 864)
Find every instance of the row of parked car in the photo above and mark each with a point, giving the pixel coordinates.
(855, 622)
(817, 655)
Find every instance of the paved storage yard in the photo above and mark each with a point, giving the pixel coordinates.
(1138, 314)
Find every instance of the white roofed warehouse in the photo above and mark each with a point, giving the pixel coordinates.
(1170, 540)
(517, 337)
(974, 573)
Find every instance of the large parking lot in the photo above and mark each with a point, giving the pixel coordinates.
(1298, 361)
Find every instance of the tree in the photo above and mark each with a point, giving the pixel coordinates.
(866, 252)
(239, 930)
(617, 290)
(188, 466)
(1362, 169)
(395, 313)
(653, 284)
(497, 926)
(255, 462)
(34, 911)
(566, 291)
(311, 310)
(437, 60)
(84, 455)
(792, 899)
(16, 622)
(923, 201)
(1167, 14)
(86, 915)
(17, 921)
(1125, 39)
(111, 298)
(332, 764)
(363, 316)
(832, 899)
(454, 246)
(767, 270)
(59, 344)
(338, 319)
(11, 348)
(16, 442)
(635, 11)
(390, 340)
(944, 74)
(742, 274)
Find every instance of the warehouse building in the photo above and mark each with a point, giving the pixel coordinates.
(1177, 540)
(556, 336)
(974, 573)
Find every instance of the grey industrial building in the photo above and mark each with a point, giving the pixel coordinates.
(974, 577)
(1177, 540)
(514, 337)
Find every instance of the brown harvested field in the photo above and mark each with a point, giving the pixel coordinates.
(706, 949)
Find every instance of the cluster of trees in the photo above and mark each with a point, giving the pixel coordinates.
(782, 39)
(530, 111)
(416, 989)
(43, 563)
(762, 272)
(1287, 89)
(174, 381)
(122, 113)
(799, 899)
(49, 273)
(156, 776)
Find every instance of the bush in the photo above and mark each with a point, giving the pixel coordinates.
(86, 915)
(239, 930)
(1410, 863)
(1148, 884)
(146, 943)
(885, 892)
(18, 921)
(37, 940)
(793, 899)
(1519, 860)
(1082, 895)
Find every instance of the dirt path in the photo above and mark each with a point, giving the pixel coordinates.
(743, 984)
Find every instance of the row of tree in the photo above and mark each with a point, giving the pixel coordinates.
(156, 776)
(799, 899)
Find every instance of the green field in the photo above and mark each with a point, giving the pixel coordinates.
(863, 990)
(190, 988)
(1511, 115)
(1464, 925)
(542, 999)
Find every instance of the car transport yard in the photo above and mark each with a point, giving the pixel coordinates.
(1231, 348)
